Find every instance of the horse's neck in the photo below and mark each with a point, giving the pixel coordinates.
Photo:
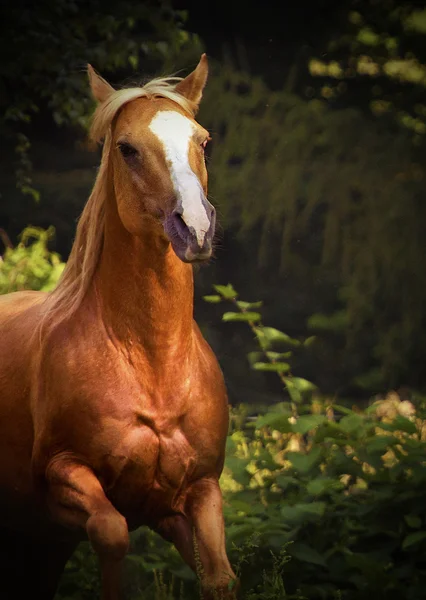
(145, 292)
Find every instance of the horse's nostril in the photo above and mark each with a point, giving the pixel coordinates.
(180, 225)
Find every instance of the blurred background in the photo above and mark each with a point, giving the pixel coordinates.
(317, 113)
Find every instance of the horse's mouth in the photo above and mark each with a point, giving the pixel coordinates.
(184, 240)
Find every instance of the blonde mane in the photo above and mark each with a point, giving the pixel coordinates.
(83, 260)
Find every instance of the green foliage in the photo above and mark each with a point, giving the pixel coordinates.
(226, 291)
(342, 491)
(269, 340)
(82, 578)
(383, 42)
(30, 265)
(46, 46)
(250, 317)
(339, 489)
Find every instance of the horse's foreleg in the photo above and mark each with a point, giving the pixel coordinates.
(76, 499)
(199, 536)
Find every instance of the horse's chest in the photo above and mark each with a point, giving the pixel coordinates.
(151, 472)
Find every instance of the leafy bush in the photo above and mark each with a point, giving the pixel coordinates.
(341, 489)
(30, 265)
(344, 490)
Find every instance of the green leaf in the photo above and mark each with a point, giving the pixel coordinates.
(309, 341)
(297, 387)
(306, 554)
(238, 469)
(245, 316)
(278, 367)
(403, 424)
(355, 18)
(212, 299)
(416, 21)
(351, 423)
(231, 445)
(278, 355)
(246, 305)
(285, 481)
(303, 512)
(254, 357)
(248, 496)
(413, 521)
(305, 462)
(322, 485)
(413, 538)
(303, 385)
(266, 460)
(226, 291)
(367, 37)
(242, 506)
(343, 409)
(307, 422)
(272, 335)
(329, 430)
(276, 421)
(295, 394)
(134, 61)
(380, 443)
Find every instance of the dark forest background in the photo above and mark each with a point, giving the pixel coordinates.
(317, 115)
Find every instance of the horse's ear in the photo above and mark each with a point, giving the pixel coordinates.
(192, 86)
(101, 89)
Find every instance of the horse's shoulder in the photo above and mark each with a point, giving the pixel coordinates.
(19, 317)
(79, 351)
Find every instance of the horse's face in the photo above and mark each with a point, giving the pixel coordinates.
(159, 171)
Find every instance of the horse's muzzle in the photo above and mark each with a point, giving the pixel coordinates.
(185, 241)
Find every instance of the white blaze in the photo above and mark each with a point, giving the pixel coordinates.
(175, 132)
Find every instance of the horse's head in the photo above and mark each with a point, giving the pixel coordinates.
(157, 157)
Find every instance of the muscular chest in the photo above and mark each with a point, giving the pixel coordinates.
(147, 440)
(148, 473)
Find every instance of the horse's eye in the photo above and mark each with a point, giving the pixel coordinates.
(127, 150)
(206, 141)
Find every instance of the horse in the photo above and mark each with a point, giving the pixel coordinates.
(114, 411)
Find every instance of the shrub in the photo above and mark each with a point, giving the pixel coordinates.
(30, 265)
(342, 490)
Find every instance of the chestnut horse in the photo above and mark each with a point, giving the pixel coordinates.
(113, 407)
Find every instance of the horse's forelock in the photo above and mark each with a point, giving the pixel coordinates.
(160, 87)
